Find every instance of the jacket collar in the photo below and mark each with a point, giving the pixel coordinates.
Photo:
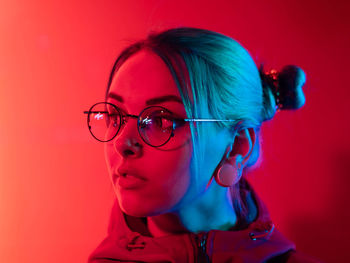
(128, 239)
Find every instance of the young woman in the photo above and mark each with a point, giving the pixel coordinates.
(180, 123)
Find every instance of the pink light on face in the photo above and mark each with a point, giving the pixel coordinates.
(171, 184)
(166, 169)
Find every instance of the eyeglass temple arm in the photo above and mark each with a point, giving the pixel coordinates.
(87, 112)
(206, 120)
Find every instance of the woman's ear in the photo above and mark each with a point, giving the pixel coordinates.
(229, 170)
(242, 147)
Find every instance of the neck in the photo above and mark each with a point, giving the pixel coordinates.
(211, 210)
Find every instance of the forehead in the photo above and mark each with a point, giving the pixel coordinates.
(143, 76)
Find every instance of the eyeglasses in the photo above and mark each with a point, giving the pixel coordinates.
(155, 124)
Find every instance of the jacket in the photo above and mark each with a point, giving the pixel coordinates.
(128, 240)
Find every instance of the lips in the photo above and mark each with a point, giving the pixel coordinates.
(124, 171)
(128, 178)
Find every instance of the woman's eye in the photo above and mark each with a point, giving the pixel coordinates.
(164, 122)
(115, 120)
(112, 119)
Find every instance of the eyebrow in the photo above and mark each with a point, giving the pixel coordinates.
(150, 101)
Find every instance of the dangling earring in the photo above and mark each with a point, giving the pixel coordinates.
(228, 174)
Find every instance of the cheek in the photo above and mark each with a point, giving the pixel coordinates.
(168, 179)
(170, 172)
(111, 158)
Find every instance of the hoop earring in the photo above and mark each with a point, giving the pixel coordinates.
(228, 174)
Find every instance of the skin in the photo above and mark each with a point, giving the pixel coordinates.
(170, 197)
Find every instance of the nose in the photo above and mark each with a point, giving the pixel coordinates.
(128, 142)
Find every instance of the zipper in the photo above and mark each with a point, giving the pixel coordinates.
(201, 242)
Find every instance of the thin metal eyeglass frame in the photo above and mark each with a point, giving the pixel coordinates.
(139, 118)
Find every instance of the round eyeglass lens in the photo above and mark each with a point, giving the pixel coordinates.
(155, 125)
(104, 121)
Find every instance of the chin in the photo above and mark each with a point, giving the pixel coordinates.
(139, 209)
(134, 208)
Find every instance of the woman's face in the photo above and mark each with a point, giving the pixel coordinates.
(156, 178)
(147, 180)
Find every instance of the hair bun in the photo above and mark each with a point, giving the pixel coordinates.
(289, 93)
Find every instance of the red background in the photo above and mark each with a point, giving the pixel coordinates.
(55, 57)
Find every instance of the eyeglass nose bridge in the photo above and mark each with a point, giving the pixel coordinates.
(125, 118)
(140, 122)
